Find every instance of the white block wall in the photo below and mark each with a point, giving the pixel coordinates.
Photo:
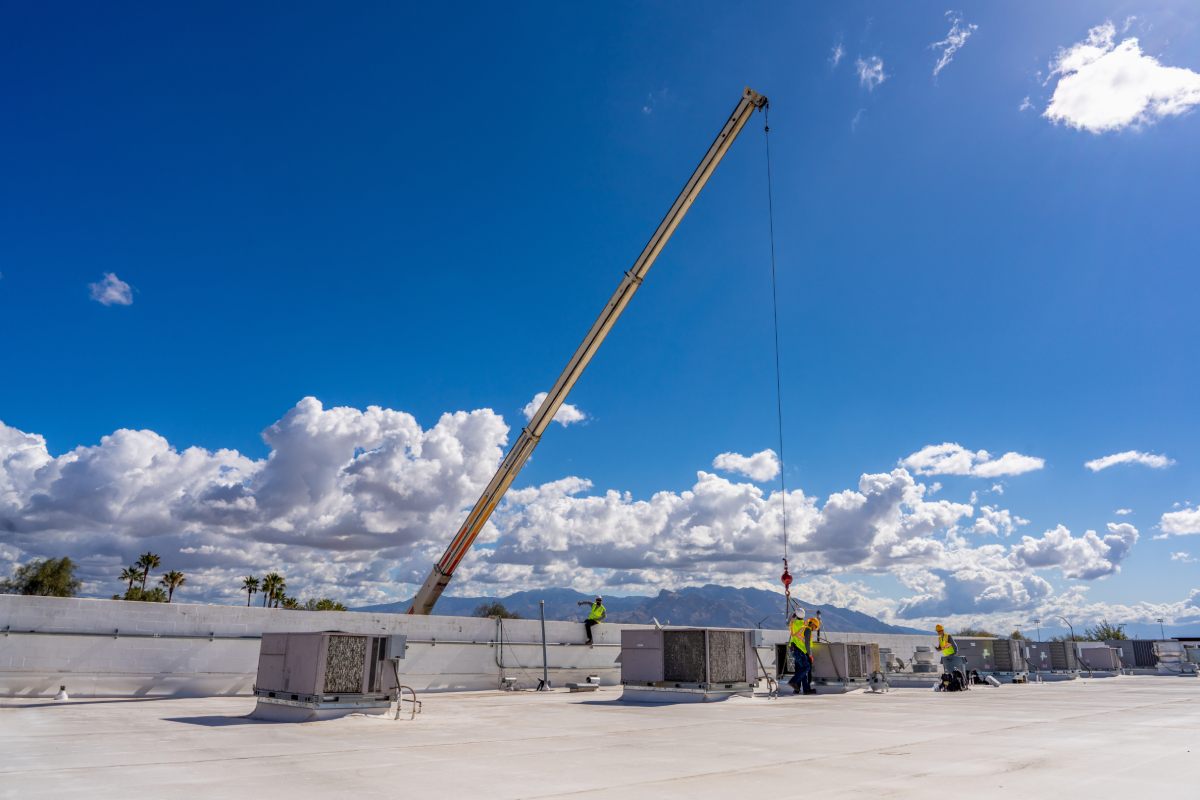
(87, 646)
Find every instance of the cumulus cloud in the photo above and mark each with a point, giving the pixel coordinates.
(1085, 557)
(111, 291)
(870, 72)
(357, 504)
(1186, 558)
(567, 414)
(997, 521)
(1151, 460)
(1180, 523)
(762, 466)
(957, 37)
(1105, 86)
(1123, 512)
(950, 458)
(344, 495)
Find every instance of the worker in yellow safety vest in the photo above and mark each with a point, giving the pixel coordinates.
(596, 615)
(800, 643)
(946, 644)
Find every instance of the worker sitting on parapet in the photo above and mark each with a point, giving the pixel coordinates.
(800, 644)
(946, 644)
(596, 615)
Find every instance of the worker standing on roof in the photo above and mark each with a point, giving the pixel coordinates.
(946, 644)
(596, 615)
(800, 645)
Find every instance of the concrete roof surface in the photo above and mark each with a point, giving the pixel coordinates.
(1115, 737)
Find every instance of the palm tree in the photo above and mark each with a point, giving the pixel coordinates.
(272, 585)
(250, 584)
(131, 574)
(146, 562)
(172, 580)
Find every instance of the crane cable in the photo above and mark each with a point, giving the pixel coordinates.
(786, 578)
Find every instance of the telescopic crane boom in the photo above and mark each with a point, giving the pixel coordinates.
(531, 434)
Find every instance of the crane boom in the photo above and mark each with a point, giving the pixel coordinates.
(531, 434)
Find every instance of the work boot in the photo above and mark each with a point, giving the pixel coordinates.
(810, 691)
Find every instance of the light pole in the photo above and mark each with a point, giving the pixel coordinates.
(1161, 630)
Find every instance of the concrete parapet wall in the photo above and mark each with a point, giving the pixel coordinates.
(121, 648)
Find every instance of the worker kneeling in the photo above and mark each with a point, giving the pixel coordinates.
(596, 615)
(954, 666)
(800, 644)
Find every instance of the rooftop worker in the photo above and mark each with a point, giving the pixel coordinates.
(946, 644)
(800, 644)
(596, 615)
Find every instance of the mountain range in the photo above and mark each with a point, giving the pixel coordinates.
(717, 606)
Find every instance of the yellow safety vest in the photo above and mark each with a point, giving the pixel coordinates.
(597, 612)
(944, 645)
(797, 628)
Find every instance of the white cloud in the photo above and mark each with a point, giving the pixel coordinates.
(870, 72)
(954, 41)
(1025, 104)
(1130, 457)
(836, 54)
(856, 119)
(1186, 558)
(357, 504)
(1180, 523)
(111, 291)
(1104, 86)
(950, 458)
(997, 488)
(997, 521)
(1123, 512)
(762, 466)
(345, 498)
(1086, 557)
(567, 414)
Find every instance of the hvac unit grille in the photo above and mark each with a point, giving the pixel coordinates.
(727, 656)
(1004, 655)
(1143, 653)
(854, 657)
(344, 663)
(683, 656)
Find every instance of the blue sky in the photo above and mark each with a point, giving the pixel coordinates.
(423, 210)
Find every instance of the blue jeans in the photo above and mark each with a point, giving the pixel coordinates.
(803, 677)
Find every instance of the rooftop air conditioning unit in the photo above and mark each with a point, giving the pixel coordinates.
(1102, 658)
(1009, 655)
(845, 661)
(326, 671)
(698, 660)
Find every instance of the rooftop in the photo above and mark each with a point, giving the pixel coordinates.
(1113, 737)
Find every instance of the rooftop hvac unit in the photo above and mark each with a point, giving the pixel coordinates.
(698, 660)
(1102, 658)
(1063, 657)
(992, 655)
(843, 661)
(1039, 656)
(1009, 655)
(325, 671)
